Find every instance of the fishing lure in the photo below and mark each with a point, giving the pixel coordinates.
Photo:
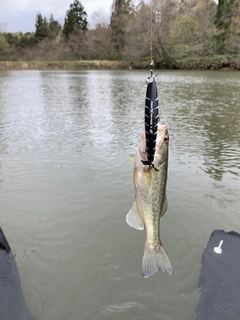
(151, 120)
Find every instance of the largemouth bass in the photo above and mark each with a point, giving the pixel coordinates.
(151, 202)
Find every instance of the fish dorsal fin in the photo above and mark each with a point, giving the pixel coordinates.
(165, 207)
(133, 218)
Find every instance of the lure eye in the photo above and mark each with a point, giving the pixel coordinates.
(166, 139)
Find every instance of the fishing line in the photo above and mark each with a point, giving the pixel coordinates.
(151, 45)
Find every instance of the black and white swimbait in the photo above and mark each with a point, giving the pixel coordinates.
(151, 120)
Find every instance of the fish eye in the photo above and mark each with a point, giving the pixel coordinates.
(166, 139)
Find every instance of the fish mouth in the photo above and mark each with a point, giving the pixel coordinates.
(164, 123)
(162, 126)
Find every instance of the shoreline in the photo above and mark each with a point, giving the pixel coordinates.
(208, 63)
(64, 65)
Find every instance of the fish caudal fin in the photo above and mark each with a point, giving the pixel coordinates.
(154, 259)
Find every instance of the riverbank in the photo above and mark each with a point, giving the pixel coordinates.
(218, 62)
(63, 65)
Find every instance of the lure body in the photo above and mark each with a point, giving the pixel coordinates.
(151, 120)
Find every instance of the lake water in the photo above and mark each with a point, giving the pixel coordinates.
(66, 186)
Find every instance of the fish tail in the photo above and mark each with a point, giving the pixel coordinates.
(154, 259)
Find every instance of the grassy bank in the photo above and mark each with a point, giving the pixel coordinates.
(62, 65)
(217, 62)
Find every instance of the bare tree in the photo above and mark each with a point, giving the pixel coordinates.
(100, 44)
(138, 39)
(151, 24)
(76, 45)
(100, 18)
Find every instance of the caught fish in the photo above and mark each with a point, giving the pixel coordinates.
(151, 120)
(151, 202)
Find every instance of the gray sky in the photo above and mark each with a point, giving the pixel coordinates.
(19, 15)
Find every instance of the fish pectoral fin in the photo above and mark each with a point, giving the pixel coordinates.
(130, 159)
(165, 207)
(154, 259)
(133, 219)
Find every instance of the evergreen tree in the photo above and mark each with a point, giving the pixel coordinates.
(233, 41)
(21, 40)
(26, 40)
(45, 28)
(41, 27)
(11, 39)
(38, 25)
(122, 10)
(54, 28)
(222, 22)
(76, 18)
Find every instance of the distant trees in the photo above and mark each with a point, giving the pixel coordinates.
(222, 22)
(45, 28)
(233, 41)
(227, 22)
(54, 28)
(41, 25)
(138, 41)
(100, 44)
(25, 40)
(158, 16)
(164, 14)
(181, 29)
(193, 30)
(76, 18)
(122, 11)
(4, 48)
(15, 44)
(74, 32)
